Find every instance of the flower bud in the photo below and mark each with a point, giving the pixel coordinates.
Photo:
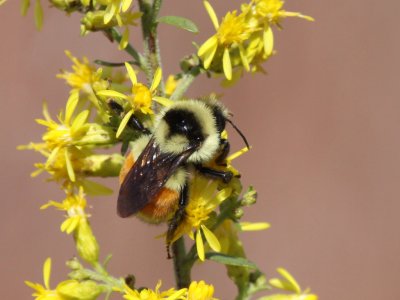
(86, 243)
(75, 290)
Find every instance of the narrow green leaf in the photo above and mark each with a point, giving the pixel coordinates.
(179, 22)
(230, 260)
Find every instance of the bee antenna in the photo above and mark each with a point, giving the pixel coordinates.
(240, 133)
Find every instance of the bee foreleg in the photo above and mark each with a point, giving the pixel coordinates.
(178, 217)
(225, 176)
(225, 147)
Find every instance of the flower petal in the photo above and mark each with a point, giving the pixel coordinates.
(70, 107)
(243, 57)
(207, 51)
(79, 121)
(211, 239)
(111, 93)
(156, 80)
(237, 154)
(268, 39)
(46, 272)
(126, 4)
(131, 73)
(212, 14)
(70, 169)
(200, 245)
(163, 101)
(248, 226)
(226, 61)
(123, 123)
(124, 40)
(223, 194)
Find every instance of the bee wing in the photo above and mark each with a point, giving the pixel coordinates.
(147, 176)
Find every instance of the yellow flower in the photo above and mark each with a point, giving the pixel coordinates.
(141, 97)
(84, 75)
(200, 291)
(114, 9)
(231, 35)
(62, 139)
(68, 141)
(77, 223)
(74, 204)
(204, 199)
(148, 294)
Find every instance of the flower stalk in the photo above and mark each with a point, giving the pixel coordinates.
(109, 109)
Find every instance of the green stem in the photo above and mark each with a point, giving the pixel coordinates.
(184, 83)
(114, 64)
(182, 269)
(129, 49)
(150, 12)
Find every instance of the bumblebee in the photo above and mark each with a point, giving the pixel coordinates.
(154, 178)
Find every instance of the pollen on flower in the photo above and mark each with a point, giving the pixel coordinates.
(233, 29)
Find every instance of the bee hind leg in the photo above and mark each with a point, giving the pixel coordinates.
(178, 217)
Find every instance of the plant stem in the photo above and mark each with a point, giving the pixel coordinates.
(182, 269)
(183, 85)
(151, 45)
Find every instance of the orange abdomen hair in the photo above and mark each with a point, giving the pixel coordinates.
(164, 204)
(161, 208)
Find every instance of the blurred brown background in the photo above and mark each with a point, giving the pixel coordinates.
(324, 125)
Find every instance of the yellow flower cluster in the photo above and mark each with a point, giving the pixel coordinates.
(196, 291)
(243, 40)
(68, 142)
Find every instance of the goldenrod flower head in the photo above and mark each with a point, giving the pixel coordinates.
(74, 205)
(200, 291)
(141, 98)
(148, 294)
(231, 35)
(204, 199)
(62, 138)
(84, 74)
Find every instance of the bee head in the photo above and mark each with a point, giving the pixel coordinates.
(186, 124)
(183, 123)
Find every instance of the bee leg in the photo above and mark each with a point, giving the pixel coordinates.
(178, 217)
(133, 122)
(226, 176)
(225, 147)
